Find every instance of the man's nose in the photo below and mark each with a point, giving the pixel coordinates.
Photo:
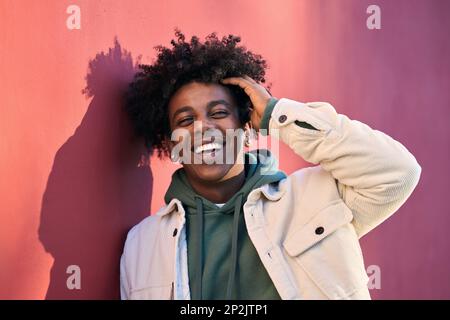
(203, 125)
(206, 129)
(209, 124)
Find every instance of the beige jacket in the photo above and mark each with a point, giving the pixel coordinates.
(306, 228)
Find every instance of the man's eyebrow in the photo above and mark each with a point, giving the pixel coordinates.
(216, 102)
(182, 109)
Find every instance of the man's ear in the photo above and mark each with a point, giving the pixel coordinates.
(250, 131)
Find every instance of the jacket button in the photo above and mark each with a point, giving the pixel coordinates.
(282, 118)
(319, 230)
(175, 232)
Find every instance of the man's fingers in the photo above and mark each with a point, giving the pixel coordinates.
(249, 79)
(242, 82)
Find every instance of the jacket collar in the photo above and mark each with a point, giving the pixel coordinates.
(271, 191)
(174, 205)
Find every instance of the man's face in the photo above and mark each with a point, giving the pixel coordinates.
(204, 113)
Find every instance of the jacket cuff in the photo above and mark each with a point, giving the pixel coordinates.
(320, 117)
(264, 124)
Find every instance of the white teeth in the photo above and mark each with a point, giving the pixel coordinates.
(208, 147)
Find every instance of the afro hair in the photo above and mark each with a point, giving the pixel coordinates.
(148, 95)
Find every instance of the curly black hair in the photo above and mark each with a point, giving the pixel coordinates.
(148, 95)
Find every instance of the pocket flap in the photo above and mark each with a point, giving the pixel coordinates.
(320, 226)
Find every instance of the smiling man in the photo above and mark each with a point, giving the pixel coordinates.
(243, 229)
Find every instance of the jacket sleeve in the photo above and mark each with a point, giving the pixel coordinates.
(374, 173)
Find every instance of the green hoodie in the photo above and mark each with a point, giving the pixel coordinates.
(222, 261)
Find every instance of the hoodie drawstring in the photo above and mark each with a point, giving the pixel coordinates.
(200, 242)
(234, 243)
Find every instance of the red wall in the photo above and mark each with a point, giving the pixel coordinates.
(70, 183)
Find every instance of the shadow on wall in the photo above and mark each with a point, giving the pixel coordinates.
(97, 189)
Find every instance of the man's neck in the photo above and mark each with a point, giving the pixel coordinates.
(223, 190)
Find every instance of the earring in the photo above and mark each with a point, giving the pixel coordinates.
(247, 139)
(174, 157)
(248, 132)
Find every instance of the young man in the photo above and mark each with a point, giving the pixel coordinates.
(243, 229)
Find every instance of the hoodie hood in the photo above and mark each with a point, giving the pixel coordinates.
(260, 168)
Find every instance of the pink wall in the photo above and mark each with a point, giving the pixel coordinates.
(70, 186)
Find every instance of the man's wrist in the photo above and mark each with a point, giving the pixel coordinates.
(264, 123)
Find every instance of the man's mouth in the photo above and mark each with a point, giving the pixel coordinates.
(208, 148)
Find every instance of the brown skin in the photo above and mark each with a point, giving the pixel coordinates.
(215, 182)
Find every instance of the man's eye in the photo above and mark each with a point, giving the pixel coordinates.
(185, 121)
(219, 114)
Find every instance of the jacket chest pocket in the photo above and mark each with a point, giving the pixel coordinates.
(152, 293)
(328, 250)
